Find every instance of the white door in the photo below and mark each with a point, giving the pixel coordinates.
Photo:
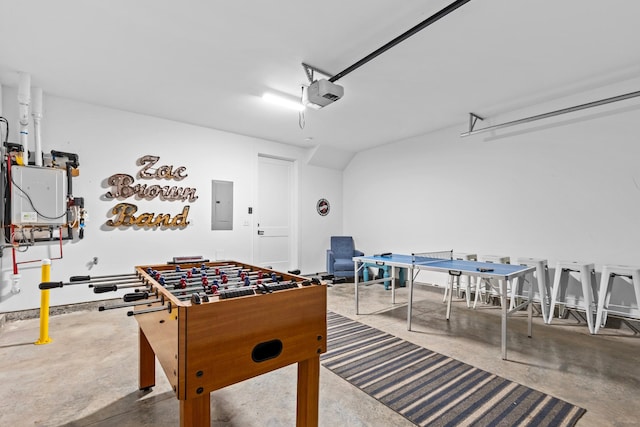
(274, 244)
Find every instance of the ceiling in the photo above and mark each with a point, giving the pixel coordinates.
(208, 62)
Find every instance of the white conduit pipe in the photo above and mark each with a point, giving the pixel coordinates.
(24, 99)
(36, 112)
(6, 128)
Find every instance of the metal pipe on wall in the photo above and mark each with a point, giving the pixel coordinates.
(24, 99)
(36, 112)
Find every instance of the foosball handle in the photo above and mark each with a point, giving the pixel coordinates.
(104, 288)
(136, 296)
(79, 278)
(50, 285)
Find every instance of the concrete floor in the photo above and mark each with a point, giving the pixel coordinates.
(88, 375)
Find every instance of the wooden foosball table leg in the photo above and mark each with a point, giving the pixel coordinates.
(196, 412)
(147, 368)
(308, 392)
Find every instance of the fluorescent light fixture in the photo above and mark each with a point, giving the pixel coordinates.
(283, 102)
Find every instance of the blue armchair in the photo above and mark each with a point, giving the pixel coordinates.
(339, 257)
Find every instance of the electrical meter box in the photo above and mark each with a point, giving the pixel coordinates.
(38, 196)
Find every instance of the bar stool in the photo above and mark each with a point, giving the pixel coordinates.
(499, 259)
(541, 275)
(462, 281)
(609, 273)
(561, 279)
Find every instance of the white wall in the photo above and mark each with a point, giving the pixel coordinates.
(110, 141)
(315, 235)
(566, 188)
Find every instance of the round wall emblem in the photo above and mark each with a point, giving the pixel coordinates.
(323, 207)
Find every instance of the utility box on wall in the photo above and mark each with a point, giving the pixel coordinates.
(38, 196)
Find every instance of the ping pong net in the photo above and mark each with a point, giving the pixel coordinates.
(424, 258)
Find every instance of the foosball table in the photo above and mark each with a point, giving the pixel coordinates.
(213, 324)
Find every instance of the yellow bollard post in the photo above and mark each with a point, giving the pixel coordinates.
(44, 304)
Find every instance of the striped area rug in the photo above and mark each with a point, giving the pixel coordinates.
(430, 389)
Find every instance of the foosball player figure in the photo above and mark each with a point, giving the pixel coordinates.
(183, 282)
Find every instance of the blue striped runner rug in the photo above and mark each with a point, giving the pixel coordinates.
(430, 389)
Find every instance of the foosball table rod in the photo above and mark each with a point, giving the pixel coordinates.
(100, 278)
(114, 287)
(151, 310)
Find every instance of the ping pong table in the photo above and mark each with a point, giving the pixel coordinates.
(443, 262)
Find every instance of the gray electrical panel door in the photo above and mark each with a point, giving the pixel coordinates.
(222, 205)
(38, 195)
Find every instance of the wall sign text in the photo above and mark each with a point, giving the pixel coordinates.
(124, 186)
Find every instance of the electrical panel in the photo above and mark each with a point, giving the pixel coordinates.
(38, 196)
(222, 205)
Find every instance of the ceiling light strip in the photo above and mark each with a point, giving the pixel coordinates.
(282, 102)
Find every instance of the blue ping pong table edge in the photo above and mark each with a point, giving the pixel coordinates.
(463, 266)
